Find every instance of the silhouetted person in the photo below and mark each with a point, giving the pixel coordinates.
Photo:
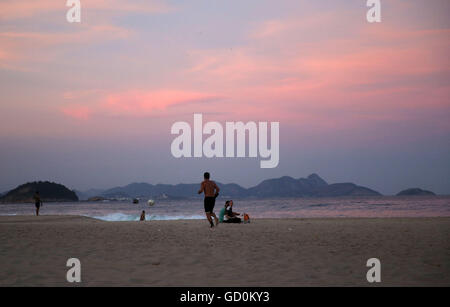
(211, 191)
(37, 202)
(143, 215)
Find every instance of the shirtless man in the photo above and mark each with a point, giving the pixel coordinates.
(211, 192)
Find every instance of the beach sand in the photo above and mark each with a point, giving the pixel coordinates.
(281, 252)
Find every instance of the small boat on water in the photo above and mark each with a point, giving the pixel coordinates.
(135, 201)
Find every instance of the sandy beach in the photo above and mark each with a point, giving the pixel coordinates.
(278, 252)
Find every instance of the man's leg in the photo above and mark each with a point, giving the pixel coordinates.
(212, 211)
(215, 218)
(208, 216)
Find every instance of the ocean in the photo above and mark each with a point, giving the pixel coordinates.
(381, 206)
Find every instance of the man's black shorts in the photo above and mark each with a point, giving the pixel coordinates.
(37, 204)
(209, 204)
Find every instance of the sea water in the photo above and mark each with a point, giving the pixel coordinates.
(380, 206)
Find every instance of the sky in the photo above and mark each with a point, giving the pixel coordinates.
(91, 104)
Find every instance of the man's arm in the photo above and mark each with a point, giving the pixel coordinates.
(217, 188)
(202, 188)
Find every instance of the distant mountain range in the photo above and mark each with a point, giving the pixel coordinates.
(312, 186)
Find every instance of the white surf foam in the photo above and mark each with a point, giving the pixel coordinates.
(116, 217)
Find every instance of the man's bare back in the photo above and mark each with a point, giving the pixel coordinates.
(209, 187)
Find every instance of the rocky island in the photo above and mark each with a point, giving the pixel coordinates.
(49, 192)
(415, 192)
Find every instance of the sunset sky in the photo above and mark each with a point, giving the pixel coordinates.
(91, 104)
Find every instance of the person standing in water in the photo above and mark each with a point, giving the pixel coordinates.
(211, 191)
(37, 202)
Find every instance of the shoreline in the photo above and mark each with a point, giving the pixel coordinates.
(3, 218)
(414, 251)
(223, 198)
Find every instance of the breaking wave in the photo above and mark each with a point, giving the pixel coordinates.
(116, 217)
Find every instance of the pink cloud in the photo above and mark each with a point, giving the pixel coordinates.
(11, 9)
(271, 28)
(355, 78)
(323, 71)
(84, 34)
(20, 49)
(134, 103)
(77, 112)
(138, 103)
(279, 28)
(16, 42)
(335, 72)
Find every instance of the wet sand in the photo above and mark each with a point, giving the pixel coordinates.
(278, 252)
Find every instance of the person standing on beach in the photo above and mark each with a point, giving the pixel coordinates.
(37, 202)
(211, 191)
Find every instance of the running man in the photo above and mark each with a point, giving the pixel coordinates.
(211, 192)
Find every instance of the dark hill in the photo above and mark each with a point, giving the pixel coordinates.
(344, 189)
(313, 186)
(415, 192)
(49, 192)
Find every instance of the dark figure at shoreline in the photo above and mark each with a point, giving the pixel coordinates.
(142, 216)
(211, 191)
(37, 202)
